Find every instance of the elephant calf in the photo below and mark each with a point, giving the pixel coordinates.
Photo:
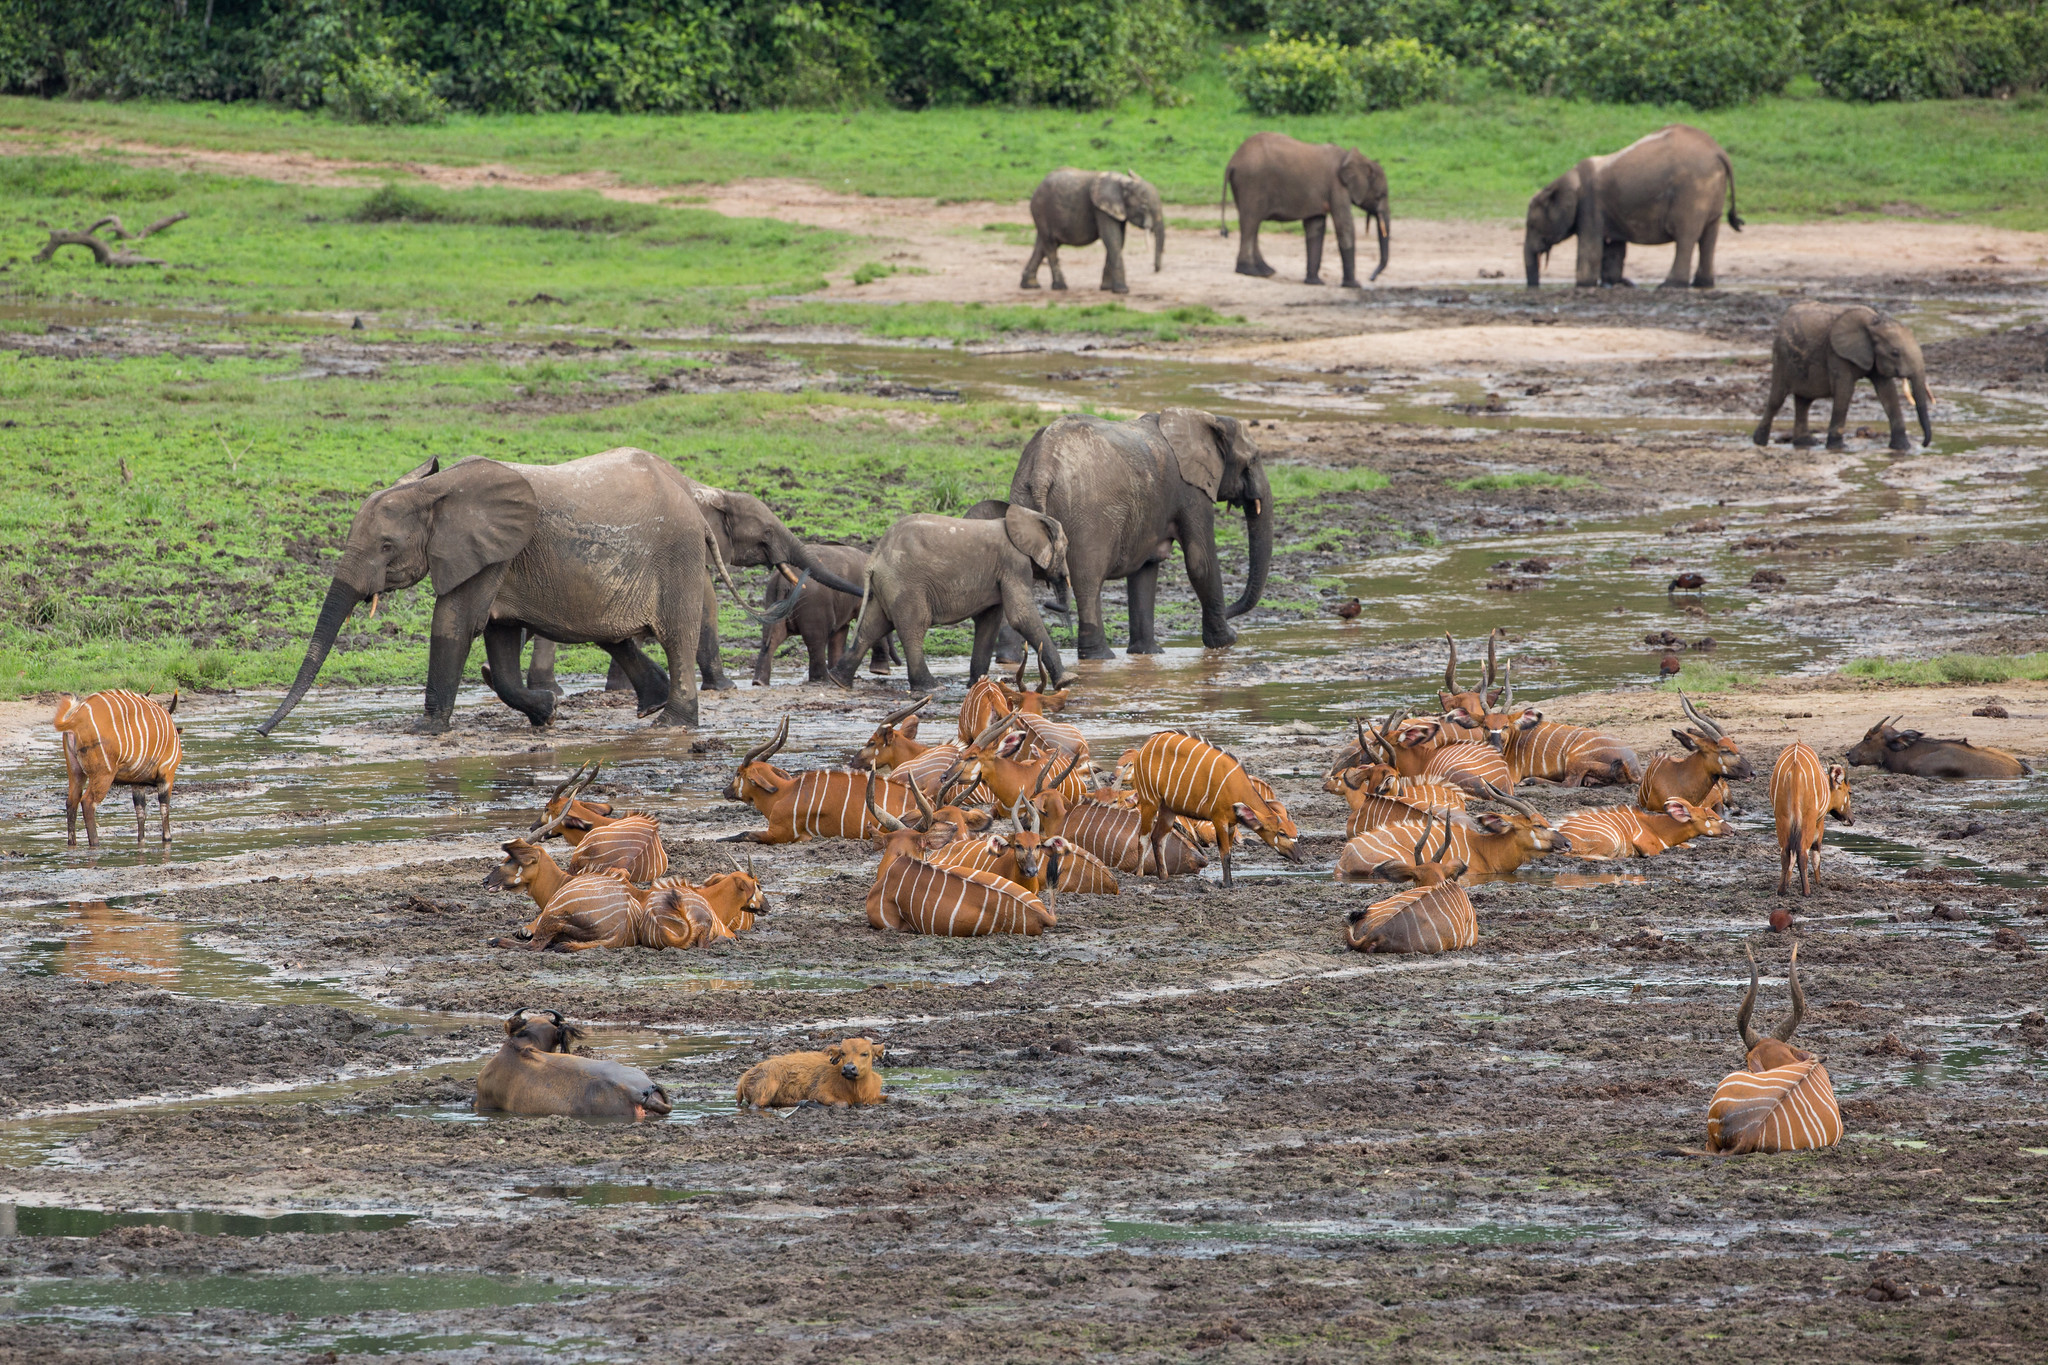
(1074, 208)
(1822, 349)
(820, 619)
(934, 571)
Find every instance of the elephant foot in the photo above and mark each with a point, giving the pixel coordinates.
(682, 714)
(1313, 279)
(844, 682)
(1761, 438)
(721, 683)
(1834, 443)
(1117, 288)
(1095, 651)
(1060, 285)
(879, 670)
(1901, 446)
(541, 714)
(1351, 284)
(1223, 637)
(1808, 443)
(1028, 284)
(924, 683)
(1144, 647)
(1261, 269)
(430, 725)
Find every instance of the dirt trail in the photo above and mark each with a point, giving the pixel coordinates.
(974, 251)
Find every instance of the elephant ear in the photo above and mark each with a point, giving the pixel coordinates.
(484, 515)
(1849, 337)
(1107, 194)
(431, 467)
(1037, 535)
(988, 509)
(1193, 436)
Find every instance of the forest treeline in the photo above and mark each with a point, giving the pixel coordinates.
(408, 61)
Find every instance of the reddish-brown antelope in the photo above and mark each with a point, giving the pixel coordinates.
(111, 739)
(1040, 862)
(1178, 773)
(1631, 832)
(1384, 854)
(1782, 1100)
(914, 896)
(734, 897)
(1422, 919)
(1113, 834)
(812, 805)
(1479, 704)
(1370, 810)
(1007, 774)
(601, 909)
(1571, 755)
(1488, 844)
(601, 840)
(1712, 761)
(1425, 747)
(1803, 794)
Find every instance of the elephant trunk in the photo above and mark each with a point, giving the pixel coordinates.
(1532, 259)
(1258, 525)
(1923, 405)
(794, 553)
(1158, 241)
(1386, 233)
(341, 600)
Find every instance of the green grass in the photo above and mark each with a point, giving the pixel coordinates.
(983, 321)
(1293, 482)
(1530, 479)
(206, 564)
(1952, 668)
(1797, 157)
(1697, 676)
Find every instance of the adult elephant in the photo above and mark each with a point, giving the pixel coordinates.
(1124, 490)
(1275, 179)
(1821, 350)
(1075, 208)
(748, 535)
(934, 571)
(821, 619)
(1667, 187)
(594, 551)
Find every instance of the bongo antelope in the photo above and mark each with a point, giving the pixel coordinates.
(911, 895)
(1782, 1100)
(1385, 854)
(1712, 761)
(1488, 844)
(600, 839)
(989, 762)
(1803, 795)
(1479, 704)
(1422, 919)
(1545, 751)
(1630, 832)
(1427, 748)
(798, 807)
(1369, 810)
(1177, 773)
(111, 739)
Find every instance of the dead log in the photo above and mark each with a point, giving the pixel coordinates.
(113, 220)
(101, 252)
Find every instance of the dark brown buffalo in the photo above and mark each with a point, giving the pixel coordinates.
(535, 1074)
(1910, 752)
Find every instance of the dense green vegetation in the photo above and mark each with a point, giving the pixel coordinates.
(1953, 668)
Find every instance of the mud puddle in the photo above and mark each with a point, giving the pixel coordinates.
(51, 1220)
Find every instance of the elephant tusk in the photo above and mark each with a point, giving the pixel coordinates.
(373, 606)
(787, 572)
(1256, 503)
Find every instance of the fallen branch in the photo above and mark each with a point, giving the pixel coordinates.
(101, 252)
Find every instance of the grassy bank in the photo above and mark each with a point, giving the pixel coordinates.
(1800, 156)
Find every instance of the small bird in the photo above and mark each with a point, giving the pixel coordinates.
(1348, 609)
(1688, 581)
(1669, 665)
(1662, 637)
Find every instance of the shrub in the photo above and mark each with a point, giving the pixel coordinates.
(380, 90)
(1082, 54)
(1317, 75)
(1707, 55)
(1876, 58)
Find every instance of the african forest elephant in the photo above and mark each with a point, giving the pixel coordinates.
(593, 551)
(1667, 187)
(933, 571)
(1276, 179)
(1123, 490)
(1074, 208)
(820, 619)
(748, 535)
(1822, 349)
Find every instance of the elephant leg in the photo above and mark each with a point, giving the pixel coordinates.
(772, 637)
(458, 619)
(1111, 231)
(1680, 276)
(1802, 431)
(1838, 406)
(1091, 640)
(1052, 258)
(710, 666)
(1038, 255)
(912, 634)
(1249, 261)
(988, 628)
(1205, 575)
(1703, 273)
(540, 673)
(1347, 246)
(648, 679)
(1779, 390)
(501, 646)
(1613, 256)
(875, 623)
(680, 631)
(1009, 646)
(879, 659)
(1022, 614)
(1888, 394)
(1312, 230)
(824, 649)
(1142, 588)
(616, 678)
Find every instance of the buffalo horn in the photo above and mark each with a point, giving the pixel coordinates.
(880, 817)
(897, 717)
(1749, 1038)
(1791, 1026)
(1692, 713)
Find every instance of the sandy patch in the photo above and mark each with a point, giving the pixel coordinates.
(1569, 347)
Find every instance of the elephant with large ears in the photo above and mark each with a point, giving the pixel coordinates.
(1125, 490)
(821, 620)
(1074, 208)
(934, 571)
(1276, 179)
(1667, 187)
(748, 534)
(594, 551)
(1821, 350)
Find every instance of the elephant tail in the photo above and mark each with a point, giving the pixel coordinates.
(1734, 218)
(1223, 205)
